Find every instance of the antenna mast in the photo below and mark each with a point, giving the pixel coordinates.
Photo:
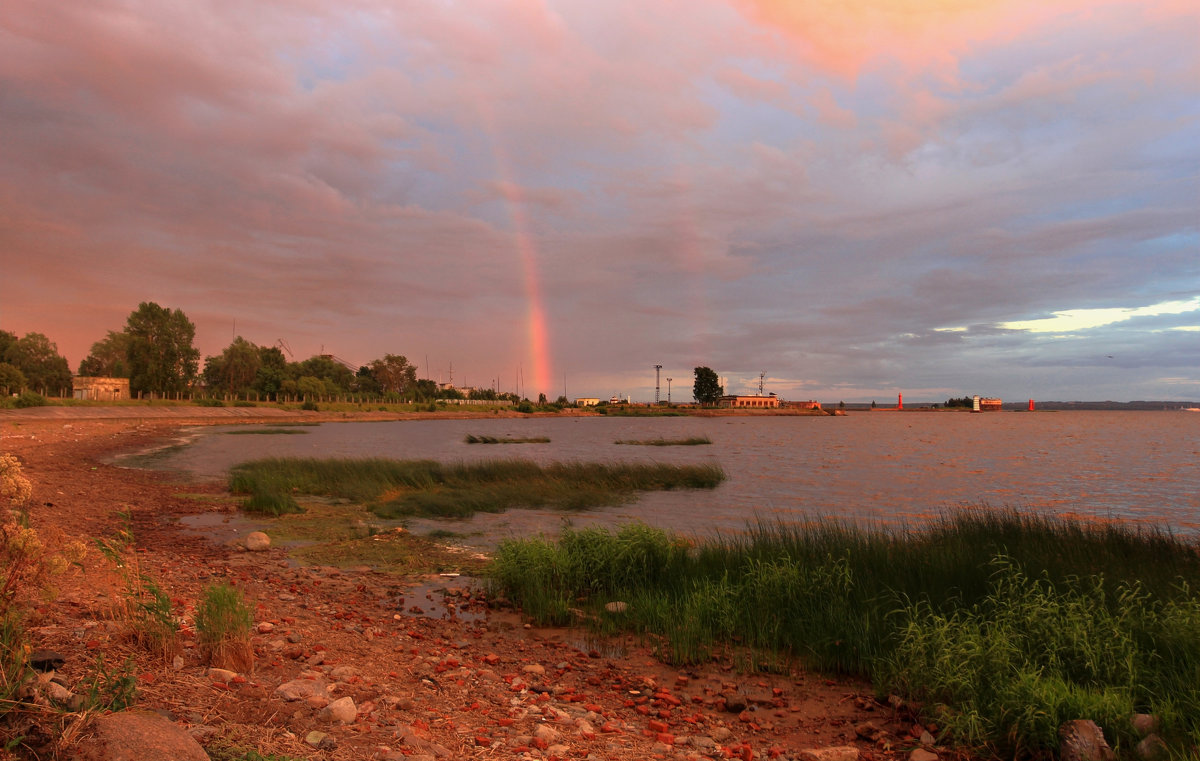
(657, 370)
(761, 374)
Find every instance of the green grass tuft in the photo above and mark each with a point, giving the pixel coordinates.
(223, 623)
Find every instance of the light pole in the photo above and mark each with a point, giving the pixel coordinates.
(657, 370)
(668, 392)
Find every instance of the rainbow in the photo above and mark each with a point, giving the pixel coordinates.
(538, 333)
(539, 341)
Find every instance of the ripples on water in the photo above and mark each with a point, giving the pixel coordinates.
(883, 467)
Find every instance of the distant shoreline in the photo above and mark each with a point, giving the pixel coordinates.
(183, 412)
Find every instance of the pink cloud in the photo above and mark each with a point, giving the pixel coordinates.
(845, 37)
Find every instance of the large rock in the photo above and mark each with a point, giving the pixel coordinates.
(257, 541)
(342, 709)
(1083, 740)
(137, 736)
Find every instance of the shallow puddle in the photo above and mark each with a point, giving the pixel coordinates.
(450, 597)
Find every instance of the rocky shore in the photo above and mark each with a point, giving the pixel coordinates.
(352, 663)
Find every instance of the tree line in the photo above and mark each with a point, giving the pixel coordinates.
(156, 352)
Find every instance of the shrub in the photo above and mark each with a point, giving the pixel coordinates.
(26, 569)
(209, 402)
(309, 405)
(223, 622)
(29, 399)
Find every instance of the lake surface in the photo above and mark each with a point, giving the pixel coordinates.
(882, 467)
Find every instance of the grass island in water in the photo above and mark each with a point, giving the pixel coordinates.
(473, 439)
(690, 441)
(396, 488)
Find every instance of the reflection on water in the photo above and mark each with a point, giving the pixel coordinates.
(881, 467)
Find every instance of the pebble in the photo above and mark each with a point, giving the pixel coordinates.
(299, 689)
(546, 733)
(58, 693)
(224, 676)
(320, 740)
(837, 753)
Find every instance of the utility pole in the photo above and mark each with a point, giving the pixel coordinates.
(669, 391)
(657, 370)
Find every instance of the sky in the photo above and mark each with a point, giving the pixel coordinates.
(851, 198)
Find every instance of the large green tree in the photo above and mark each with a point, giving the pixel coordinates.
(6, 340)
(707, 388)
(272, 371)
(365, 383)
(37, 357)
(162, 358)
(336, 377)
(235, 369)
(12, 380)
(109, 357)
(394, 374)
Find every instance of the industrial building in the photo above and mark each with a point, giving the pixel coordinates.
(748, 402)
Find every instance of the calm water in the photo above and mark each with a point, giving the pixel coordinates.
(882, 467)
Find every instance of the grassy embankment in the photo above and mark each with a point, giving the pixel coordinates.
(399, 488)
(1004, 625)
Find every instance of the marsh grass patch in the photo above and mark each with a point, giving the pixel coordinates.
(690, 441)
(473, 439)
(400, 488)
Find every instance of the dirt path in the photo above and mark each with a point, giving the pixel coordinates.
(478, 684)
